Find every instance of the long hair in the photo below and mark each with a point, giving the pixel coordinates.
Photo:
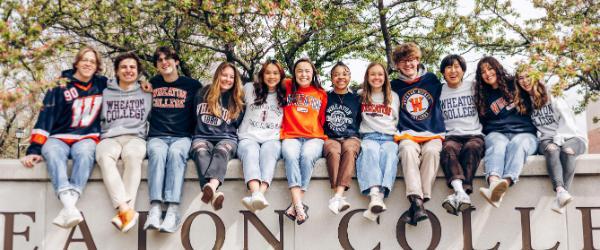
(367, 90)
(539, 97)
(504, 80)
(315, 79)
(82, 52)
(236, 99)
(261, 90)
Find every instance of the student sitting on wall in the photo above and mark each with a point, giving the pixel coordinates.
(219, 111)
(342, 120)
(560, 139)
(463, 146)
(69, 126)
(510, 135)
(125, 110)
(421, 128)
(172, 121)
(302, 133)
(259, 147)
(377, 164)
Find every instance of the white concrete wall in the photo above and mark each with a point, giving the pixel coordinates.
(28, 190)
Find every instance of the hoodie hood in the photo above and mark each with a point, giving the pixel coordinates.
(113, 84)
(420, 72)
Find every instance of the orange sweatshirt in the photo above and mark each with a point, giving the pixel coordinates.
(304, 115)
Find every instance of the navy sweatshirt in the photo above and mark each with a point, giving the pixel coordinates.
(502, 116)
(70, 113)
(172, 111)
(420, 117)
(213, 128)
(342, 115)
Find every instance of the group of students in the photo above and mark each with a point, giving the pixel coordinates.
(414, 120)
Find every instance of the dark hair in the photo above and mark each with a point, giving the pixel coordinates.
(261, 90)
(167, 51)
(128, 55)
(505, 82)
(450, 59)
(339, 64)
(315, 79)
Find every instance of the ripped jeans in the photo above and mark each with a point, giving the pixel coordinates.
(560, 160)
(211, 158)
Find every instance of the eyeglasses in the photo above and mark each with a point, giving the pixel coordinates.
(409, 60)
(90, 60)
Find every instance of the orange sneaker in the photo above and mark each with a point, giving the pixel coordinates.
(129, 219)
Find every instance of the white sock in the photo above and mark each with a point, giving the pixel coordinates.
(374, 190)
(173, 208)
(457, 186)
(337, 195)
(68, 198)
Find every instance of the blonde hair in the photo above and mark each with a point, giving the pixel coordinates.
(367, 91)
(82, 52)
(236, 99)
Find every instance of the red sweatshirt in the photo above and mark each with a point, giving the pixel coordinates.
(304, 115)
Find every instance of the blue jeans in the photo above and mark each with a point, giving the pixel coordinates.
(259, 160)
(377, 163)
(56, 153)
(505, 154)
(167, 160)
(300, 156)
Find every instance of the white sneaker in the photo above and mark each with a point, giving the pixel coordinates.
(564, 198)
(259, 202)
(344, 205)
(60, 219)
(153, 220)
(334, 205)
(370, 215)
(487, 194)
(376, 205)
(555, 206)
(463, 201)
(247, 202)
(450, 204)
(498, 188)
(73, 218)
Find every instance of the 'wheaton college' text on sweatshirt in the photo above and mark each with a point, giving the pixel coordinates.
(378, 117)
(173, 107)
(125, 112)
(342, 115)
(261, 123)
(459, 110)
(215, 128)
(555, 121)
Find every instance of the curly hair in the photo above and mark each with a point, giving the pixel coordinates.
(506, 85)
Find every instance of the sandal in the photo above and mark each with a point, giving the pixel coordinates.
(301, 210)
(207, 193)
(288, 212)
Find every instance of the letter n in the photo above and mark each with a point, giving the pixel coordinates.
(263, 230)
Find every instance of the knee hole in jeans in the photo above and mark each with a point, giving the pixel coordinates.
(200, 146)
(224, 148)
(552, 147)
(568, 151)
